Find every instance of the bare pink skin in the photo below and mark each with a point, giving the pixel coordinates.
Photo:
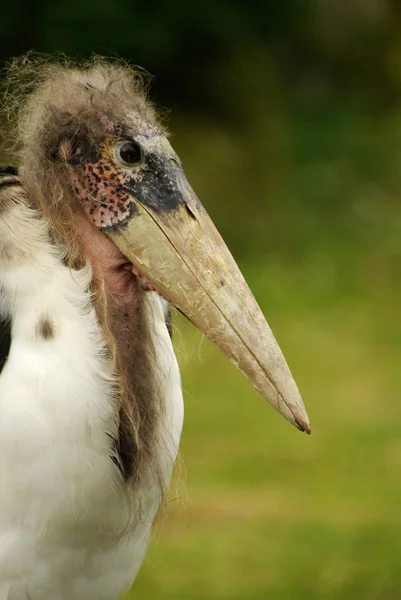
(106, 259)
(110, 266)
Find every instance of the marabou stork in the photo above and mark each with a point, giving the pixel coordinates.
(99, 232)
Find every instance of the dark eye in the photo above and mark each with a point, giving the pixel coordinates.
(129, 153)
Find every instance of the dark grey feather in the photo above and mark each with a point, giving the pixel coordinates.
(5, 342)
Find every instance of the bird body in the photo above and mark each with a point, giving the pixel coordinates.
(99, 232)
(65, 528)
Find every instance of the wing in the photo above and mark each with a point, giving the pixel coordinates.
(5, 325)
(5, 342)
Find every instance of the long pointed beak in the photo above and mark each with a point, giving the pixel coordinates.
(175, 245)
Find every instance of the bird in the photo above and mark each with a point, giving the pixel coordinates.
(100, 234)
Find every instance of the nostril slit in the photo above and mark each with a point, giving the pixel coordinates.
(189, 211)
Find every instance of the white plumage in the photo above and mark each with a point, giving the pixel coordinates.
(64, 533)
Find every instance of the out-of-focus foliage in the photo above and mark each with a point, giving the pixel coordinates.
(316, 45)
(287, 114)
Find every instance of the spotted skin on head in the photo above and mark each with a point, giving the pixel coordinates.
(107, 186)
(101, 186)
(109, 190)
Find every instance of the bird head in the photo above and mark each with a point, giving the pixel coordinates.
(95, 157)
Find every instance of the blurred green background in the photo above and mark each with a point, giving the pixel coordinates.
(287, 115)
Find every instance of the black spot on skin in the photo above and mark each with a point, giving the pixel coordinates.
(5, 342)
(128, 212)
(44, 329)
